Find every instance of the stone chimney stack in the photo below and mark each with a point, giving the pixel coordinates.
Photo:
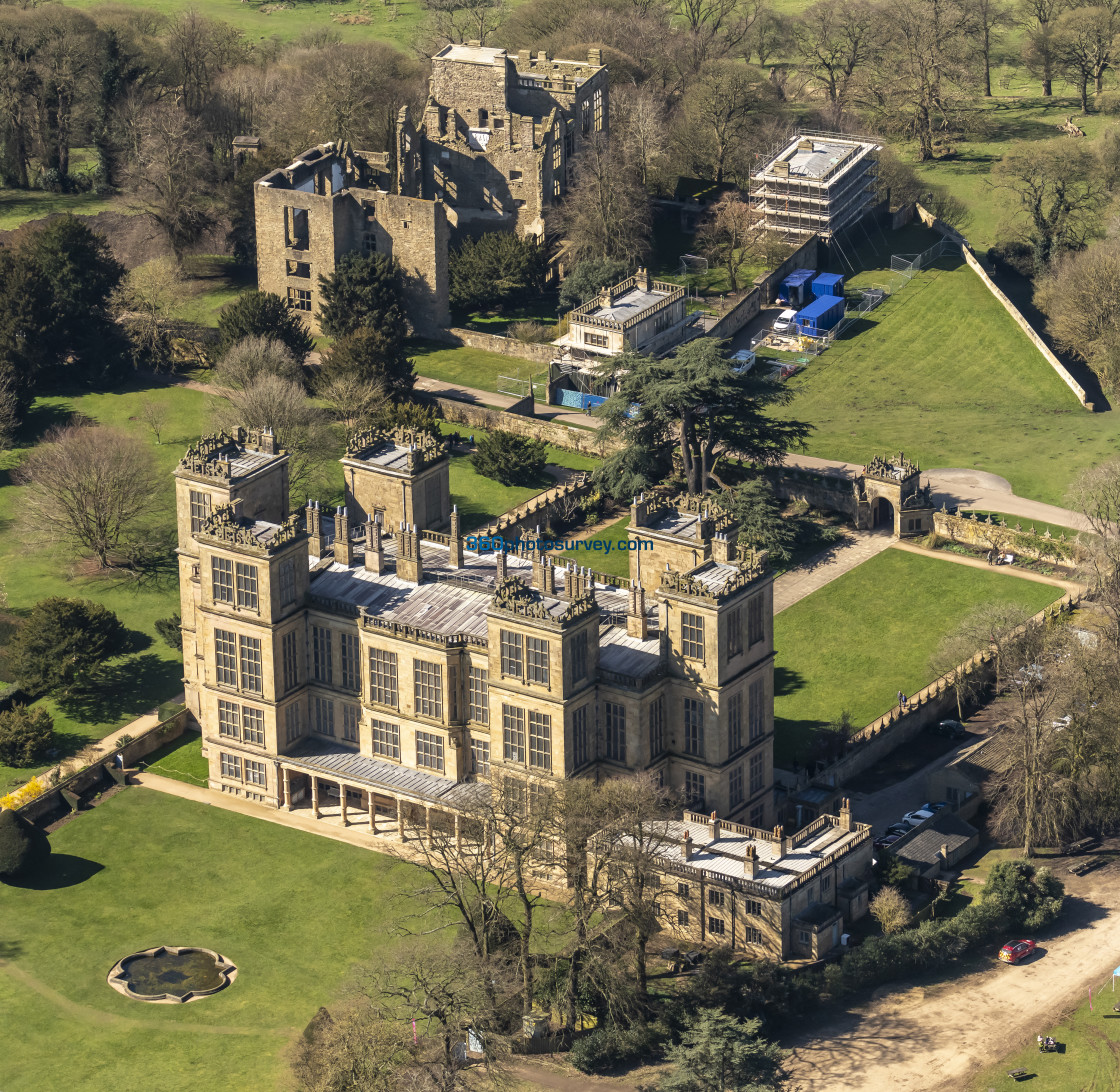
(637, 624)
(343, 551)
(639, 511)
(750, 863)
(713, 827)
(316, 540)
(595, 57)
(943, 854)
(500, 561)
(605, 298)
(779, 840)
(723, 548)
(845, 814)
(375, 552)
(410, 567)
(686, 845)
(645, 282)
(455, 554)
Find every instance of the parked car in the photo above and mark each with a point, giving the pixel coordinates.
(784, 321)
(935, 806)
(898, 828)
(916, 818)
(886, 840)
(951, 729)
(1017, 950)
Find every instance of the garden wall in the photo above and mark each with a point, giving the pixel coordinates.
(805, 256)
(93, 779)
(565, 436)
(818, 489)
(496, 343)
(969, 255)
(988, 535)
(730, 324)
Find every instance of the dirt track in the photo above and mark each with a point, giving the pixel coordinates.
(927, 1039)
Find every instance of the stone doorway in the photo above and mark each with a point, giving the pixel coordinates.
(882, 515)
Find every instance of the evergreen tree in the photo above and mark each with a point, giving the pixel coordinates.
(718, 1053)
(23, 846)
(509, 458)
(758, 514)
(365, 290)
(377, 360)
(63, 644)
(498, 268)
(25, 735)
(263, 314)
(587, 277)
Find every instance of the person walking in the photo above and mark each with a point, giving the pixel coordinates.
(989, 557)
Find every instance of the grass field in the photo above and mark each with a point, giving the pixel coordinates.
(1089, 1058)
(941, 372)
(293, 911)
(181, 760)
(852, 645)
(470, 367)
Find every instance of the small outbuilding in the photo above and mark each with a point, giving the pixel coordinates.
(938, 845)
(797, 287)
(828, 284)
(820, 316)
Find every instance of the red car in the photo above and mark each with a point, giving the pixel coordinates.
(1017, 951)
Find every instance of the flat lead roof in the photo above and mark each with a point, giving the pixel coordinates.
(628, 305)
(470, 54)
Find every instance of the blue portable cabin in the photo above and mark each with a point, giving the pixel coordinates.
(797, 286)
(828, 284)
(820, 316)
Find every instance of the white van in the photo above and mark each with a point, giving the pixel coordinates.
(784, 321)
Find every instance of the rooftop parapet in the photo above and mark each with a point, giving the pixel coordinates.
(229, 456)
(716, 581)
(899, 469)
(226, 526)
(400, 448)
(514, 597)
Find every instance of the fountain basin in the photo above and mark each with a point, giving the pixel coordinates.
(171, 976)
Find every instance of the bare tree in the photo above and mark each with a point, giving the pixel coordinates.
(252, 358)
(1084, 43)
(452, 22)
(993, 627)
(350, 399)
(891, 910)
(835, 38)
(731, 237)
(145, 304)
(638, 119)
(1097, 496)
(281, 405)
(88, 487)
(606, 212)
(952, 661)
(990, 20)
(9, 411)
(154, 415)
(1037, 17)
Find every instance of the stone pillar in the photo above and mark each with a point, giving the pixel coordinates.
(287, 789)
(343, 551)
(845, 813)
(686, 845)
(400, 819)
(372, 813)
(428, 825)
(637, 625)
(455, 554)
(342, 802)
(314, 796)
(500, 562)
(375, 552)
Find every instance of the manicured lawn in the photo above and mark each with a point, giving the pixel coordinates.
(19, 206)
(182, 760)
(615, 563)
(139, 682)
(941, 372)
(1089, 1062)
(471, 367)
(293, 911)
(870, 633)
(213, 281)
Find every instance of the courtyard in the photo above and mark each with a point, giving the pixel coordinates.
(294, 911)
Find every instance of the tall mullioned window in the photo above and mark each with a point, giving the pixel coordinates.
(350, 723)
(536, 660)
(478, 695)
(200, 510)
(255, 773)
(694, 791)
(428, 679)
(289, 658)
(757, 714)
(349, 648)
(321, 658)
(735, 722)
(429, 751)
(287, 583)
(540, 741)
(252, 725)
(657, 727)
(614, 726)
(756, 774)
(387, 740)
(735, 786)
(231, 766)
(755, 630)
(581, 754)
(735, 632)
(225, 657)
(579, 656)
(480, 757)
(512, 649)
(382, 677)
(292, 728)
(324, 716)
(693, 726)
(513, 733)
(252, 673)
(221, 579)
(692, 635)
(247, 586)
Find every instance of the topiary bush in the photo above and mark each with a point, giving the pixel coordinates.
(170, 629)
(509, 458)
(23, 846)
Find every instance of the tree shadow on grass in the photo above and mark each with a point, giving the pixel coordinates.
(128, 687)
(10, 949)
(57, 871)
(787, 682)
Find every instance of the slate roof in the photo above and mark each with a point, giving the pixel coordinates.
(923, 848)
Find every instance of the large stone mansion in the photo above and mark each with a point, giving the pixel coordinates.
(492, 151)
(366, 662)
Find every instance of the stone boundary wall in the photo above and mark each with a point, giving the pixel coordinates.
(94, 778)
(973, 262)
(538, 509)
(569, 438)
(729, 324)
(530, 352)
(806, 255)
(831, 492)
(988, 535)
(931, 704)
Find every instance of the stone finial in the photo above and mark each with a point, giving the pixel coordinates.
(500, 566)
